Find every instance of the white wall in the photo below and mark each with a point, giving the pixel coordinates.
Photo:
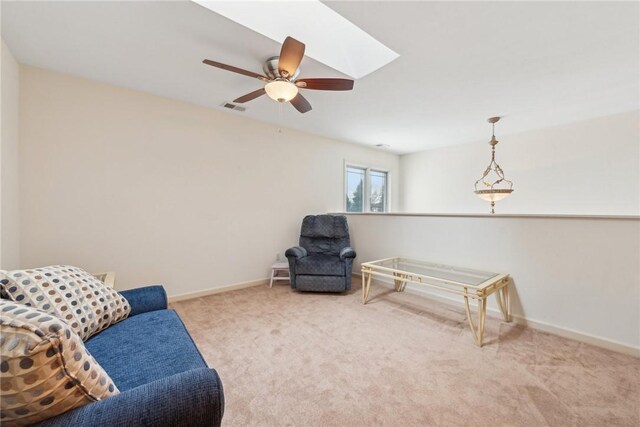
(165, 192)
(577, 277)
(588, 167)
(9, 196)
(162, 191)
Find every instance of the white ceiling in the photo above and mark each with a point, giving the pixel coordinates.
(279, 20)
(538, 63)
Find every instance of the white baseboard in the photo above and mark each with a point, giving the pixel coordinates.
(524, 321)
(225, 288)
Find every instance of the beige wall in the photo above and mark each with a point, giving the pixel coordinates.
(165, 192)
(9, 196)
(587, 167)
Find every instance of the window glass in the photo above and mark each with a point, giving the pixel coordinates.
(366, 189)
(355, 189)
(377, 191)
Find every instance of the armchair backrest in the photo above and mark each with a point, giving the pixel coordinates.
(324, 234)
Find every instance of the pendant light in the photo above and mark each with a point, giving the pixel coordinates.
(492, 191)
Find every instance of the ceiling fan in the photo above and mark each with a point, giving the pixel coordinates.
(281, 80)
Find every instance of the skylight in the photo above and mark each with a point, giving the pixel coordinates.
(329, 37)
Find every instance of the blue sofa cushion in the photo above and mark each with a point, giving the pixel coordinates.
(320, 265)
(145, 299)
(145, 348)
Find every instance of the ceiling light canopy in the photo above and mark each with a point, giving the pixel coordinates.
(331, 38)
(281, 90)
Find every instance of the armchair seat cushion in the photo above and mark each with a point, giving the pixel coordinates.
(145, 348)
(320, 265)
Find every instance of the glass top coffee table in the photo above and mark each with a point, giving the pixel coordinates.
(468, 283)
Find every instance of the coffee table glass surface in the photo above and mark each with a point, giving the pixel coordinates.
(468, 283)
(438, 272)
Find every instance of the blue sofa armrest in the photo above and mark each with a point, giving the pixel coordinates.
(296, 252)
(347, 253)
(191, 398)
(148, 298)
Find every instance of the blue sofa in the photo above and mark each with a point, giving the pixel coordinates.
(162, 377)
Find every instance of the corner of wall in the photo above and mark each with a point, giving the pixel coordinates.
(9, 160)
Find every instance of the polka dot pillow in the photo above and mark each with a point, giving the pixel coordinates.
(45, 369)
(67, 292)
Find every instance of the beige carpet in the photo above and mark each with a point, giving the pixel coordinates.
(291, 359)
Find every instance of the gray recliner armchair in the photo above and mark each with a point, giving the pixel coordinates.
(324, 259)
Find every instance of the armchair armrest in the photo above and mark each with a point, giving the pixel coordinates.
(296, 252)
(148, 298)
(347, 253)
(191, 398)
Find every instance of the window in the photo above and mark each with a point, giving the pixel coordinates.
(378, 191)
(366, 189)
(355, 189)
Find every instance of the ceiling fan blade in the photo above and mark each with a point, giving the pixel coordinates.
(234, 69)
(300, 103)
(290, 56)
(326, 84)
(250, 96)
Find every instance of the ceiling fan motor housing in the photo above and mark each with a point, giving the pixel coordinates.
(270, 68)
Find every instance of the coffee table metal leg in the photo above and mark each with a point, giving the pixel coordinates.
(478, 332)
(400, 282)
(366, 297)
(397, 282)
(366, 285)
(504, 302)
(403, 284)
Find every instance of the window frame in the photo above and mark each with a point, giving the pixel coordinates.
(366, 205)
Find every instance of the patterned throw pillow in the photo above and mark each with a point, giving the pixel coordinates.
(45, 369)
(67, 292)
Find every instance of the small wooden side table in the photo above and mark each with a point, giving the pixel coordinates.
(279, 267)
(108, 278)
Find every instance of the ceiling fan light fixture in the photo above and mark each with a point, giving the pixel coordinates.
(281, 90)
(281, 72)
